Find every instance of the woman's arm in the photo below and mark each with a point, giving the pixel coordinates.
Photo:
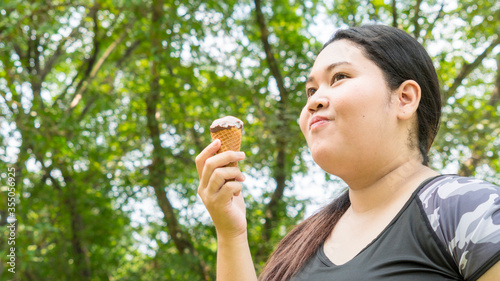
(234, 261)
(493, 274)
(220, 191)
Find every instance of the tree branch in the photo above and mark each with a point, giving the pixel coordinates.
(9, 104)
(271, 60)
(85, 82)
(438, 16)
(88, 62)
(36, 55)
(469, 166)
(495, 97)
(36, 82)
(51, 61)
(416, 32)
(468, 68)
(79, 71)
(128, 53)
(394, 14)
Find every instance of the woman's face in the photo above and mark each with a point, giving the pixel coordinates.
(350, 119)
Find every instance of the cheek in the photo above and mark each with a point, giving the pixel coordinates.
(303, 119)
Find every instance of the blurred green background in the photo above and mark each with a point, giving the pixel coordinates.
(105, 104)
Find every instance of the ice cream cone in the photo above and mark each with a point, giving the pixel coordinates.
(228, 130)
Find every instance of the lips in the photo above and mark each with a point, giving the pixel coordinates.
(317, 121)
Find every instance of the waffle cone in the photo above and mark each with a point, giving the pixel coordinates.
(230, 140)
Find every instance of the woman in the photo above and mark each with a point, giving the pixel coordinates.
(372, 113)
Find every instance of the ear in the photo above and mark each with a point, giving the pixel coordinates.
(408, 95)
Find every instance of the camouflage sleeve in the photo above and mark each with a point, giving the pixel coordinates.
(465, 215)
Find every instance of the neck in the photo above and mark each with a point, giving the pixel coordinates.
(379, 190)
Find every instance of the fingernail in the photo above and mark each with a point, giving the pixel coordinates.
(241, 154)
(241, 178)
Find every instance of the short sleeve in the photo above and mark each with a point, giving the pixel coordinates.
(464, 213)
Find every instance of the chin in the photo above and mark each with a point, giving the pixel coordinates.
(323, 160)
(333, 164)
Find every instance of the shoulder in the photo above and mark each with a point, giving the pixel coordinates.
(464, 214)
(454, 186)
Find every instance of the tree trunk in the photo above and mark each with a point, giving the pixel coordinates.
(80, 250)
(280, 172)
(158, 168)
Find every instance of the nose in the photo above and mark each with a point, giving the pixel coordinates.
(317, 102)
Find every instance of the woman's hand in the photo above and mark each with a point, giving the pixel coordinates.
(220, 188)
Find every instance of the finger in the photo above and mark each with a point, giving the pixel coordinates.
(218, 161)
(240, 178)
(209, 151)
(228, 190)
(203, 191)
(223, 175)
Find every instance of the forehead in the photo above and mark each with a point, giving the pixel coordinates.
(339, 51)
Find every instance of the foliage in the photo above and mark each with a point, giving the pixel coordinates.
(105, 103)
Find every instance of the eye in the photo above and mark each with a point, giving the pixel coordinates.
(338, 76)
(310, 92)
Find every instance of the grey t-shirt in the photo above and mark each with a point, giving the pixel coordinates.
(448, 230)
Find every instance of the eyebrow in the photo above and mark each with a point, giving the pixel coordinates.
(329, 69)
